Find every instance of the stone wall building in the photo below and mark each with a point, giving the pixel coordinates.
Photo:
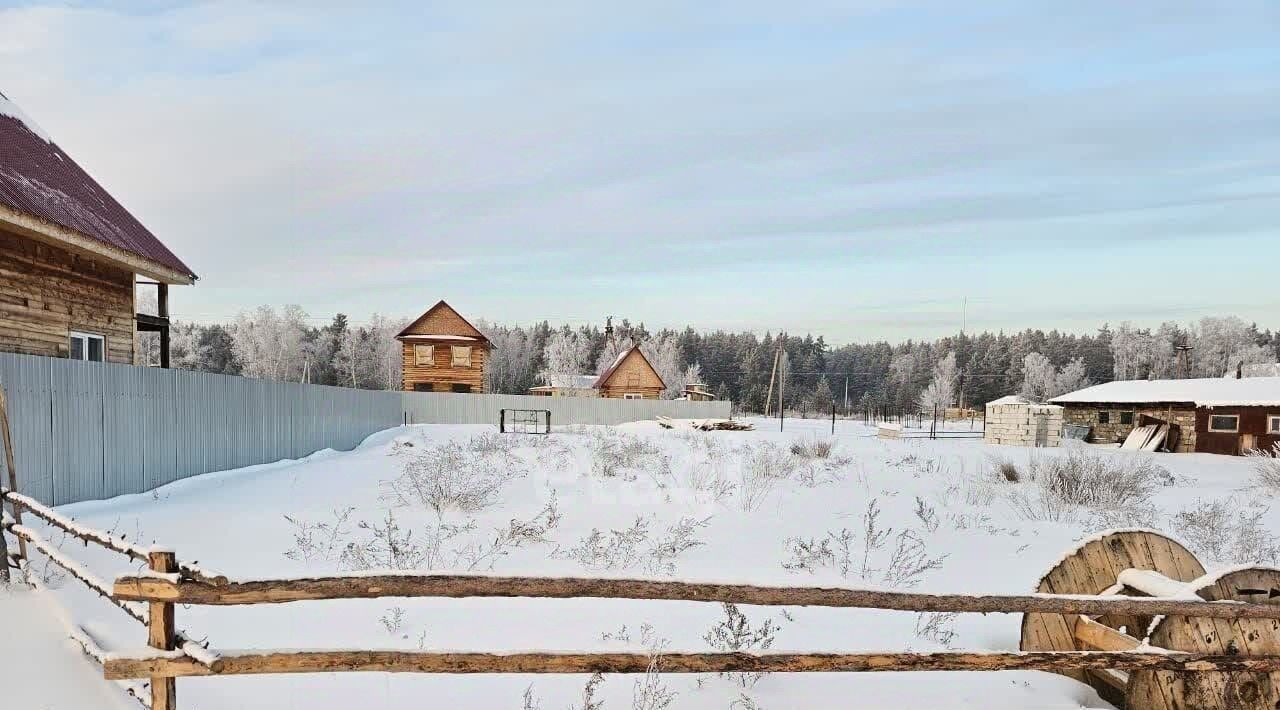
(1218, 415)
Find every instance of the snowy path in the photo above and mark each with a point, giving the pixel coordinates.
(40, 668)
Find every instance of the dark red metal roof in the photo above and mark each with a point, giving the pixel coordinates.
(38, 178)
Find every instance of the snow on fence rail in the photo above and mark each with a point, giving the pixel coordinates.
(172, 655)
(157, 617)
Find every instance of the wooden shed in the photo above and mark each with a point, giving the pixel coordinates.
(1217, 415)
(631, 376)
(71, 256)
(443, 352)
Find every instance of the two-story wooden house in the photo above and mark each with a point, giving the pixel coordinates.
(443, 352)
(70, 256)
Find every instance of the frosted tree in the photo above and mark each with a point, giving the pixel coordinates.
(566, 356)
(1042, 382)
(1220, 344)
(1073, 376)
(512, 357)
(692, 375)
(270, 345)
(1039, 378)
(941, 392)
(386, 354)
(1139, 354)
(663, 352)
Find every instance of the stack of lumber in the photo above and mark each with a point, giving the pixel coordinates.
(705, 424)
(1150, 437)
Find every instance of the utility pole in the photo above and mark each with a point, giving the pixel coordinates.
(1184, 365)
(782, 381)
(846, 395)
(768, 398)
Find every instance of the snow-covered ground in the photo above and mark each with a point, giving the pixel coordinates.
(40, 667)
(639, 500)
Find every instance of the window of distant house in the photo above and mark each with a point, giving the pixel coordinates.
(1273, 425)
(1224, 422)
(1126, 417)
(87, 346)
(1104, 417)
(461, 355)
(424, 355)
(632, 395)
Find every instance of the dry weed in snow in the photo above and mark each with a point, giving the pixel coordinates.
(614, 454)
(863, 555)
(633, 547)
(736, 633)
(1266, 468)
(1228, 532)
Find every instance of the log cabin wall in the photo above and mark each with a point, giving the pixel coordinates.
(442, 375)
(633, 376)
(47, 292)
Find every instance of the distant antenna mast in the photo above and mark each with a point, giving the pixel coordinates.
(964, 315)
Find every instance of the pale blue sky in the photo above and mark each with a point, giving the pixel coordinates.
(849, 168)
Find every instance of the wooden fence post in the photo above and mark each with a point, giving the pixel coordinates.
(162, 634)
(13, 471)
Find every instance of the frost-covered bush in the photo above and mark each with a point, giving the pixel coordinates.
(1227, 531)
(1061, 486)
(634, 547)
(761, 469)
(1266, 468)
(452, 476)
(1005, 469)
(614, 454)
(813, 448)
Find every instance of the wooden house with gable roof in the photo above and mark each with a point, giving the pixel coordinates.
(443, 352)
(631, 376)
(70, 256)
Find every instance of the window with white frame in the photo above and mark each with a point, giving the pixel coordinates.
(632, 395)
(88, 346)
(1224, 422)
(461, 355)
(1273, 425)
(424, 355)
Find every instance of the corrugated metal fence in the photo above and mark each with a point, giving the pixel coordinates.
(85, 431)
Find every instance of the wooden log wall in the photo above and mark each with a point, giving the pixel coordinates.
(46, 292)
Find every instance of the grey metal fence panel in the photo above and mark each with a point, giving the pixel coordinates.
(90, 430)
(125, 423)
(26, 383)
(76, 392)
(450, 408)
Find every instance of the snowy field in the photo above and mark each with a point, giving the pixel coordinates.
(638, 500)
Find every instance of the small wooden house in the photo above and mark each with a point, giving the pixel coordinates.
(631, 376)
(443, 352)
(1217, 415)
(71, 256)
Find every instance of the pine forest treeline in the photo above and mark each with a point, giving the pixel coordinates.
(968, 368)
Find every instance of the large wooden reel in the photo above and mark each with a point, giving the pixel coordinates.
(1160, 690)
(1094, 568)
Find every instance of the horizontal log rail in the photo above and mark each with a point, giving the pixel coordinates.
(153, 588)
(193, 649)
(98, 537)
(253, 663)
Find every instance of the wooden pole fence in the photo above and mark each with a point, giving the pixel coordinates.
(253, 663)
(145, 588)
(131, 550)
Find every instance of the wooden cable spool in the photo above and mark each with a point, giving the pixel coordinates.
(1146, 563)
